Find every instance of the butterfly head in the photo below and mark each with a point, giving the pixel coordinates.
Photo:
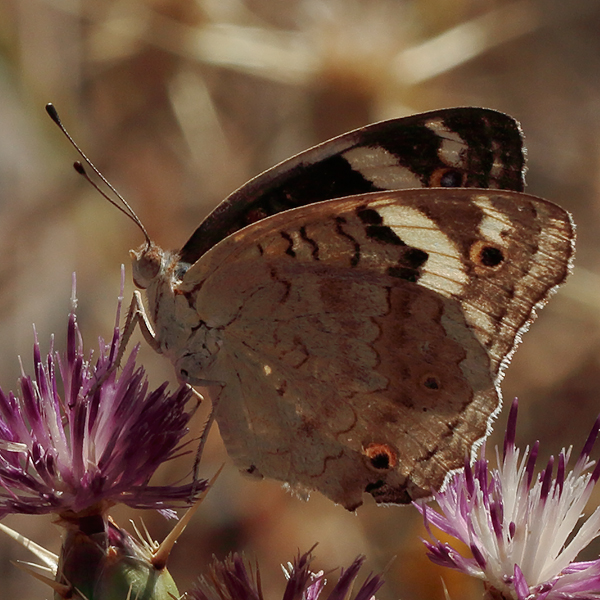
(149, 262)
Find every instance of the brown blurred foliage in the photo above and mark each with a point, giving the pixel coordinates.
(179, 102)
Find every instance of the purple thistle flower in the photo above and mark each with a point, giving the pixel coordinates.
(520, 528)
(80, 438)
(233, 579)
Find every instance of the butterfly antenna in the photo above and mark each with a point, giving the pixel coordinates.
(78, 166)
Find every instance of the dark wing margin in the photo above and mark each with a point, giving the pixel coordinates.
(455, 147)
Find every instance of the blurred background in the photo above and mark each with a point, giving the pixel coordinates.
(179, 102)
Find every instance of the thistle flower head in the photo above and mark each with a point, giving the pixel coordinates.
(233, 579)
(520, 527)
(79, 438)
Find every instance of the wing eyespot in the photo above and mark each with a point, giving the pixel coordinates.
(431, 382)
(381, 457)
(484, 254)
(446, 177)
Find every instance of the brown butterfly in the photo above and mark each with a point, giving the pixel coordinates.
(355, 306)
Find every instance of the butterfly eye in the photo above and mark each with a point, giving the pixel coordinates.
(147, 263)
(486, 255)
(381, 456)
(446, 178)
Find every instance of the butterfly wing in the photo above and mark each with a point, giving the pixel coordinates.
(362, 339)
(456, 147)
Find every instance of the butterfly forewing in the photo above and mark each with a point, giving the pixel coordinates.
(361, 339)
(457, 147)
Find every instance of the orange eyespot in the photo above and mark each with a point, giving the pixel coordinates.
(487, 255)
(381, 456)
(446, 177)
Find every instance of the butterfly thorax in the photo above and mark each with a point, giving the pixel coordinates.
(179, 332)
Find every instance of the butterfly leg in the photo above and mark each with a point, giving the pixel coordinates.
(136, 316)
(205, 432)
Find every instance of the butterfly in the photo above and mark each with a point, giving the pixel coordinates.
(354, 307)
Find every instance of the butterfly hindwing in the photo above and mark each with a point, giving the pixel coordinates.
(361, 339)
(456, 147)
